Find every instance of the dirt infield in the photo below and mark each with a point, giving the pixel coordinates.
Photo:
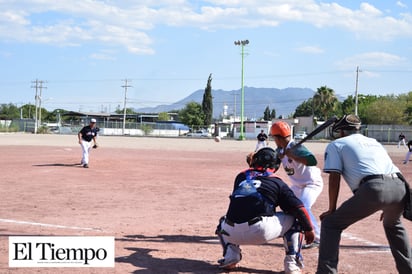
(160, 198)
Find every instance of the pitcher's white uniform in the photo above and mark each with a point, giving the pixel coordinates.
(86, 135)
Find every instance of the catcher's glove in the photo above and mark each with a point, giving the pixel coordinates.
(95, 146)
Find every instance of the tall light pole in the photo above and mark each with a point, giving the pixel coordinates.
(242, 43)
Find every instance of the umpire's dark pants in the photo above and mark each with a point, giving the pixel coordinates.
(377, 194)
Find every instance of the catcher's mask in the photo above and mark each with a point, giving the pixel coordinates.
(266, 158)
(349, 122)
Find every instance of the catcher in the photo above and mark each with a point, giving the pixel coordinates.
(251, 218)
(86, 135)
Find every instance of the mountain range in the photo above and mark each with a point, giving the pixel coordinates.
(283, 101)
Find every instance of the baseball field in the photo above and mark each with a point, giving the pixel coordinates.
(160, 198)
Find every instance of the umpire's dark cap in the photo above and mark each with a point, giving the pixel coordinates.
(348, 122)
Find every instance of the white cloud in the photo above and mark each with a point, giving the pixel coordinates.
(401, 4)
(371, 74)
(128, 24)
(103, 55)
(77, 22)
(16, 17)
(310, 49)
(371, 60)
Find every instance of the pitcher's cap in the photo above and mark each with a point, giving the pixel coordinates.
(93, 120)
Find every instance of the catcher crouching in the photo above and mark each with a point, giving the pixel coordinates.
(252, 219)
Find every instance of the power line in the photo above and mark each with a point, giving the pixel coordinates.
(294, 74)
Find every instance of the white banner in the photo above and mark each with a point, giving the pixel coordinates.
(61, 251)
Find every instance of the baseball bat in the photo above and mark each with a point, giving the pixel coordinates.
(320, 128)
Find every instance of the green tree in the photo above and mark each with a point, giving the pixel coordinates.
(43, 114)
(305, 109)
(266, 114)
(325, 101)
(207, 103)
(54, 115)
(128, 111)
(406, 100)
(348, 105)
(363, 102)
(163, 116)
(273, 114)
(384, 110)
(28, 111)
(147, 129)
(192, 115)
(9, 111)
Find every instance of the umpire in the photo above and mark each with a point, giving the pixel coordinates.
(377, 185)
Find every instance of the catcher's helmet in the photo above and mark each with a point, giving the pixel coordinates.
(265, 158)
(280, 128)
(349, 122)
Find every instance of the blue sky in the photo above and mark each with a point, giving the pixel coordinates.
(83, 49)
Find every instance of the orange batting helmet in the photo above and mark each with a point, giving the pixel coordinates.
(280, 128)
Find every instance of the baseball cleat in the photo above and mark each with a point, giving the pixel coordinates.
(86, 166)
(228, 265)
(312, 245)
(294, 272)
(293, 264)
(232, 257)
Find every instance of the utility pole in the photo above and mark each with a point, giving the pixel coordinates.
(40, 98)
(356, 90)
(125, 86)
(38, 85)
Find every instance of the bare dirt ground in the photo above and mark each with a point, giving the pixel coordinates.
(160, 198)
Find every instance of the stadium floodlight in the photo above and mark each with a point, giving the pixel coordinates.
(242, 43)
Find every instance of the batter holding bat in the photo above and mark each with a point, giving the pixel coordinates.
(86, 135)
(300, 165)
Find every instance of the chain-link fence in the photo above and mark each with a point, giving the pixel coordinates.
(382, 133)
(387, 133)
(106, 128)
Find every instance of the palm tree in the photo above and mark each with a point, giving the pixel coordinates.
(325, 101)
